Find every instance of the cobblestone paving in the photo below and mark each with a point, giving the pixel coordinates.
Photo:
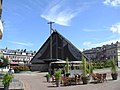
(37, 81)
(16, 85)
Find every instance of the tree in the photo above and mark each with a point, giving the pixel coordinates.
(3, 62)
(84, 70)
(67, 65)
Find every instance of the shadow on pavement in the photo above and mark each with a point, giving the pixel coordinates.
(52, 86)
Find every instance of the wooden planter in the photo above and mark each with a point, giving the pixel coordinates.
(85, 80)
(58, 83)
(48, 79)
(114, 76)
(6, 87)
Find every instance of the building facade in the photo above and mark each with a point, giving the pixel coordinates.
(17, 56)
(105, 52)
(61, 49)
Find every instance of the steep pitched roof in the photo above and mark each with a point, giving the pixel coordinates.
(61, 49)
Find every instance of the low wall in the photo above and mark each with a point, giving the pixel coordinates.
(39, 67)
(4, 70)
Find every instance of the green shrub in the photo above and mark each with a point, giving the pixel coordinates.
(26, 68)
(21, 68)
(67, 68)
(113, 66)
(84, 66)
(101, 64)
(91, 68)
(47, 75)
(57, 74)
(7, 78)
(107, 64)
(16, 70)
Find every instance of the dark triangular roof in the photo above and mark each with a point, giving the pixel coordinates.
(61, 49)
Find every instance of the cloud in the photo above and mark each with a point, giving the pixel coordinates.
(61, 12)
(21, 43)
(114, 3)
(81, 49)
(89, 44)
(115, 28)
(95, 30)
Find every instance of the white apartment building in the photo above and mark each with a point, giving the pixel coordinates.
(17, 56)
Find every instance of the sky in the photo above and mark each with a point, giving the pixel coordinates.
(85, 23)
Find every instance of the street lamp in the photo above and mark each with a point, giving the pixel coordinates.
(50, 23)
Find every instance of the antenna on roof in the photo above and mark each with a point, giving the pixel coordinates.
(51, 29)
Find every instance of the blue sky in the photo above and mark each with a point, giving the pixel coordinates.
(86, 23)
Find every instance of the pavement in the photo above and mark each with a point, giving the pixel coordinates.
(16, 85)
(37, 81)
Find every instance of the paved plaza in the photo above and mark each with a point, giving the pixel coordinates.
(37, 81)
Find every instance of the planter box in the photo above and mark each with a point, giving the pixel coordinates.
(114, 76)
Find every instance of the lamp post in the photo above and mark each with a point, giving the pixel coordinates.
(50, 23)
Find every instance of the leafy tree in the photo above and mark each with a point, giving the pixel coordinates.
(113, 66)
(84, 71)
(67, 65)
(90, 68)
(3, 62)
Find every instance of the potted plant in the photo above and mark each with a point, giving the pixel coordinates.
(114, 73)
(84, 71)
(57, 75)
(67, 70)
(91, 68)
(7, 78)
(48, 77)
